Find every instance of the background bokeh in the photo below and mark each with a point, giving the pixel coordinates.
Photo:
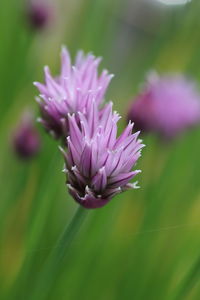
(145, 244)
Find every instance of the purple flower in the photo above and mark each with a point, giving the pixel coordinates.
(71, 92)
(26, 139)
(98, 164)
(38, 14)
(167, 105)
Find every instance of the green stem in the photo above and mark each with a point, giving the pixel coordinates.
(189, 282)
(69, 233)
(54, 261)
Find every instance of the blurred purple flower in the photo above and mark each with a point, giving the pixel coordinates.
(38, 13)
(167, 105)
(98, 164)
(72, 91)
(26, 139)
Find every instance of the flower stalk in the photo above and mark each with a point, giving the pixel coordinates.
(54, 261)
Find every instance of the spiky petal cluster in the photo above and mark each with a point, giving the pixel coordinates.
(167, 105)
(71, 92)
(98, 163)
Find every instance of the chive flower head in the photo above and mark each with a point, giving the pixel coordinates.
(167, 105)
(71, 92)
(26, 140)
(98, 163)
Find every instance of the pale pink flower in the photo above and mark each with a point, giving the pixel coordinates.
(167, 105)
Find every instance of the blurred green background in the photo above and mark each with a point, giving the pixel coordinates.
(145, 244)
